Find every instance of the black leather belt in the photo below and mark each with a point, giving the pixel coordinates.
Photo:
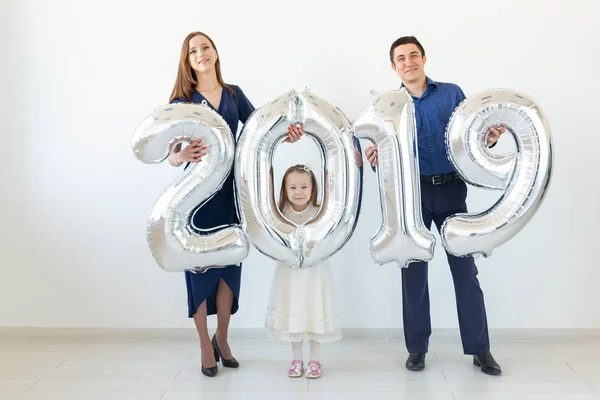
(440, 179)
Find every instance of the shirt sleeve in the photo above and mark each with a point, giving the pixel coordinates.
(460, 96)
(357, 143)
(245, 107)
(372, 167)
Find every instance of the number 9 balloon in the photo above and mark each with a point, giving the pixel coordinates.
(524, 176)
(298, 246)
(177, 247)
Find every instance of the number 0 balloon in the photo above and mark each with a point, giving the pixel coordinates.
(299, 246)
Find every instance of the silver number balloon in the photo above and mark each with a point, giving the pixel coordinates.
(524, 176)
(299, 246)
(177, 247)
(389, 123)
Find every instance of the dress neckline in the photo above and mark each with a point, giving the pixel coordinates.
(309, 208)
(208, 103)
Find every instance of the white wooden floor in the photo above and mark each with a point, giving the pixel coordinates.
(165, 365)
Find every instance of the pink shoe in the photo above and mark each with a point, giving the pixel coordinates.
(296, 369)
(314, 370)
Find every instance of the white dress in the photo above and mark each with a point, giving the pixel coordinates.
(301, 300)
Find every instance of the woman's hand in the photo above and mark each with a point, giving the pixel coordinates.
(192, 153)
(294, 133)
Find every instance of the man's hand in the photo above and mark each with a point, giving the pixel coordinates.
(494, 134)
(371, 153)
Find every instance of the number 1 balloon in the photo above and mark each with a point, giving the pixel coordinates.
(389, 123)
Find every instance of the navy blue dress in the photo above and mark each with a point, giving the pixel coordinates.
(220, 210)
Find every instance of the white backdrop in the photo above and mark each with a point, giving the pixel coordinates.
(79, 76)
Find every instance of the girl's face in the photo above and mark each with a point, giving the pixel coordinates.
(298, 188)
(201, 55)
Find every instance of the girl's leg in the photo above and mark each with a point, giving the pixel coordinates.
(297, 367)
(315, 351)
(297, 350)
(314, 366)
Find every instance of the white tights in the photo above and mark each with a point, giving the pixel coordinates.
(314, 350)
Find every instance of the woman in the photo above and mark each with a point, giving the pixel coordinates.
(217, 290)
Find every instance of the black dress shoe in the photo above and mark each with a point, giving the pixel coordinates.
(416, 361)
(210, 372)
(233, 363)
(487, 363)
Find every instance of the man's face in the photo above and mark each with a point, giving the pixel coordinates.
(409, 64)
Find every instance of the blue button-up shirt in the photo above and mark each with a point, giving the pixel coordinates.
(432, 114)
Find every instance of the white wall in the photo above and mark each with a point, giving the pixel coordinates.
(82, 75)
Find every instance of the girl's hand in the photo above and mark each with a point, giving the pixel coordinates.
(192, 153)
(294, 133)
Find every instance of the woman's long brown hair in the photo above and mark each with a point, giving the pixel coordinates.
(186, 81)
(303, 169)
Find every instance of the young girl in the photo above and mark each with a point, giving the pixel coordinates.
(301, 300)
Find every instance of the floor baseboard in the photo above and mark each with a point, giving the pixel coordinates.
(260, 333)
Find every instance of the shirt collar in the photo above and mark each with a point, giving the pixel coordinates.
(430, 82)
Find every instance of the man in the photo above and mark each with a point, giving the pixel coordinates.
(443, 194)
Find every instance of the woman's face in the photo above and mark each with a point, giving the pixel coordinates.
(201, 55)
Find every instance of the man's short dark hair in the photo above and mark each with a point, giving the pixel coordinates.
(405, 40)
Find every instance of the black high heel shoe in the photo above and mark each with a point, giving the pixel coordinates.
(210, 372)
(233, 363)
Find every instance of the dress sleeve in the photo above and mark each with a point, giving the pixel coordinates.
(245, 107)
